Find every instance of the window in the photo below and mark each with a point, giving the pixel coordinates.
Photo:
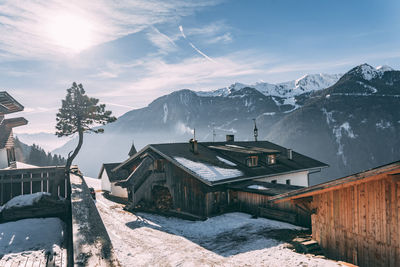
(252, 161)
(273, 181)
(10, 156)
(271, 159)
(288, 181)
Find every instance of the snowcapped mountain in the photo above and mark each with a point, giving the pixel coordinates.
(307, 83)
(343, 120)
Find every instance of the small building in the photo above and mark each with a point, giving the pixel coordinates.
(198, 178)
(110, 178)
(355, 218)
(7, 153)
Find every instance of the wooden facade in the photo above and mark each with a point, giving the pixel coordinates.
(261, 205)
(360, 223)
(356, 218)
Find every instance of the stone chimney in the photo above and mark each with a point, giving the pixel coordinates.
(194, 146)
(290, 154)
(230, 138)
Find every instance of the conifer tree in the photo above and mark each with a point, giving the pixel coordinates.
(80, 114)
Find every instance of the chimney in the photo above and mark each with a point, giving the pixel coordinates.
(193, 146)
(230, 138)
(290, 154)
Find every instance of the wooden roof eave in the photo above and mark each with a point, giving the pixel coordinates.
(130, 159)
(374, 174)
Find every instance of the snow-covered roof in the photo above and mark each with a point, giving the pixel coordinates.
(225, 162)
(208, 171)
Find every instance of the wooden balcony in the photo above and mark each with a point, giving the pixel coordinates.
(15, 182)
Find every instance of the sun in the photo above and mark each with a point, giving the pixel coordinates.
(70, 32)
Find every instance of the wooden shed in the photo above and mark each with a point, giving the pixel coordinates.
(356, 218)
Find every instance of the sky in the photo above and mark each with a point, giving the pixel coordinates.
(129, 52)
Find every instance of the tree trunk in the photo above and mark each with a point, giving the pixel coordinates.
(70, 159)
(76, 151)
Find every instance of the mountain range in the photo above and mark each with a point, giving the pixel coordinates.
(349, 121)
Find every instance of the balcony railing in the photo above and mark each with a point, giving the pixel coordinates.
(15, 182)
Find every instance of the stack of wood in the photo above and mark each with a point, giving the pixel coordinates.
(162, 198)
(47, 206)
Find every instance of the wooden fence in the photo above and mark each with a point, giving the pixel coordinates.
(15, 182)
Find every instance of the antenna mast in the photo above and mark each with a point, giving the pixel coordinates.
(213, 132)
(255, 130)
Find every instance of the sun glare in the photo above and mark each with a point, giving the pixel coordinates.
(71, 32)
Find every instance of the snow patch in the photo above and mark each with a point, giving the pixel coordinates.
(165, 113)
(269, 113)
(329, 116)
(30, 238)
(24, 200)
(383, 124)
(257, 187)
(230, 163)
(338, 132)
(372, 89)
(207, 171)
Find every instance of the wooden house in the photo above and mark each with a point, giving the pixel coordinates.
(8, 105)
(356, 218)
(198, 178)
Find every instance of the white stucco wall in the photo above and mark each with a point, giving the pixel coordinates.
(118, 191)
(297, 178)
(105, 182)
(3, 158)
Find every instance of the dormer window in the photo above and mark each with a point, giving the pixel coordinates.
(252, 161)
(271, 159)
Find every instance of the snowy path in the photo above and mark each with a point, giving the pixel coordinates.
(232, 239)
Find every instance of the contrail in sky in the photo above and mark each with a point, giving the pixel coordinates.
(194, 47)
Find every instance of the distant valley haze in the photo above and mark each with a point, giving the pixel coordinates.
(320, 77)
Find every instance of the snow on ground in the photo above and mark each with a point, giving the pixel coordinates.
(207, 171)
(24, 200)
(30, 238)
(93, 182)
(233, 239)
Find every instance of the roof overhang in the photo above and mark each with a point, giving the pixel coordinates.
(391, 170)
(15, 122)
(8, 104)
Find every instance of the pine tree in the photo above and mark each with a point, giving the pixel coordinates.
(80, 113)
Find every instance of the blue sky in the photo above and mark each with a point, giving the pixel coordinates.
(127, 53)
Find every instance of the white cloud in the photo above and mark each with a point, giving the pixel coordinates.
(159, 77)
(216, 32)
(27, 29)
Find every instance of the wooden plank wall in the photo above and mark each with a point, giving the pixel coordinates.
(250, 202)
(361, 223)
(15, 182)
(189, 194)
